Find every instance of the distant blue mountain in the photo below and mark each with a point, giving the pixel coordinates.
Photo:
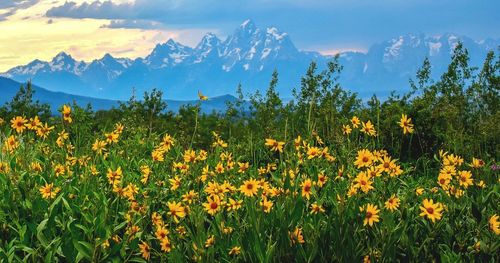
(248, 56)
(9, 88)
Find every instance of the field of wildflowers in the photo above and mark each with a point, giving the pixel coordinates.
(323, 178)
(126, 198)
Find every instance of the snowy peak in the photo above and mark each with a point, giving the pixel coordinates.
(64, 62)
(168, 54)
(62, 58)
(247, 26)
(208, 41)
(208, 48)
(405, 46)
(109, 61)
(275, 34)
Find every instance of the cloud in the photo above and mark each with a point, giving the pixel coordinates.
(141, 24)
(97, 9)
(176, 12)
(320, 22)
(10, 7)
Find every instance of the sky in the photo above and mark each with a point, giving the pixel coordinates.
(88, 29)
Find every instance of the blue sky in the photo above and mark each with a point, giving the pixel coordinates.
(324, 24)
(89, 28)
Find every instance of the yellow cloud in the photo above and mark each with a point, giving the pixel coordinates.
(28, 35)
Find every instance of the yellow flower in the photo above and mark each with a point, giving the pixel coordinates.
(67, 114)
(481, 184)
(18, 123)
(145, 250)
(315, 208)
(444, 180)
(322, 178)
(33, 123)
(352, 191)
(364, 158)
(175, 183)
(114, 176)
(111, 137)
(132, 230)
(161, 232)
(201, 96)
(448, 170)
(43, 130)
(234, 204)
(431, 210)
(453, 160)
(189, 197)
(465, 179)
(156, 219)
(213, 205)
(373, 172)
(312, 152)
(386, 164)
(11, 144)
(99, 146)
(266, 204)
(105, 244)
(119, 128)
(296, 236)
(371, 214)
(4, 168)
(202, 155)
(165, 245)
(145, 171)
(176, 210)
(406, 124)
(306, 186)
(392, 203)
(158, 155)
(235, 251)
(297, 142)
(249, 187)
(346, 129)
(49, 191)
(167, 142)
(275, 145)
(130, 191)
(219, 168)
(355, 122)
(189, 156)
(183, 167)
(477, 163)
(494, 224)
(59, 169)
(419, 191)
(243, 167)
(363, 182)
(210, 241)
(369, 129)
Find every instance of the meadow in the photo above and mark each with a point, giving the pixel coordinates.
(324, 178)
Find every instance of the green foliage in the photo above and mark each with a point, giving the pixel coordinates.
(22, 104)
(90, 221)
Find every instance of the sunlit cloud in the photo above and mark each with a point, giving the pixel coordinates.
(39, 37)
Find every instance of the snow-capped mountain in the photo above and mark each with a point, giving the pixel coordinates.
(247, 56)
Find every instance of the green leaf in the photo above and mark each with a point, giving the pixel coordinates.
(84, 248)
(39, 232)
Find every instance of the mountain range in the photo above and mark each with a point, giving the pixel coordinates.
(247, 56)
(9, 88)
